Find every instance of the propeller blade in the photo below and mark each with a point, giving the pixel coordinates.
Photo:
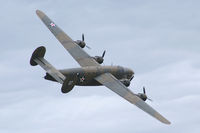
(83, 38)
(131, 78)
(150, 99)
(144, 90)
(88, 47)
(103, 53)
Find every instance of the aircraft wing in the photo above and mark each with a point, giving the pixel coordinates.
(115, 85)
(76, 52)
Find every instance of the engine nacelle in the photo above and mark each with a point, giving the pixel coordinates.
(80, 43)
(126, 82)
(99, 59)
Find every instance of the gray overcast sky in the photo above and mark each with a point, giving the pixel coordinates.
(159, 40)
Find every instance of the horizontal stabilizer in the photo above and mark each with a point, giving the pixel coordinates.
(38, 59)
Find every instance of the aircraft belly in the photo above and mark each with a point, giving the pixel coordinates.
(89, 83)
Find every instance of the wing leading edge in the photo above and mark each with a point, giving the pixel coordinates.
(76, 52)
(115, 85)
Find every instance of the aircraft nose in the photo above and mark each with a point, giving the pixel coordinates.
(129, 72)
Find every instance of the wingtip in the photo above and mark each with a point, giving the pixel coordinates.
(37, 11)
(162, 119)
(168, 122)
(40, 13)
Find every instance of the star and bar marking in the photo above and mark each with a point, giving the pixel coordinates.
(52, 24)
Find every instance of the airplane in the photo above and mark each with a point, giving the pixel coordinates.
(91, 73)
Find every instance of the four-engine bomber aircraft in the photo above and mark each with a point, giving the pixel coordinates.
(91, 72)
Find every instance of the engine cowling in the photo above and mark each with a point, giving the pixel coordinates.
(142, 96)
(80, 43)
(126, 82)
(99, 59)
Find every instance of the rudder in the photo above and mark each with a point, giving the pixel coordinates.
(38, 53)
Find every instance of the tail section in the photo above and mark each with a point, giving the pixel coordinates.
(38, 53)
(37, 58)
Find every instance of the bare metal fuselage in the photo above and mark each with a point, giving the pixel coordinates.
(86, 75)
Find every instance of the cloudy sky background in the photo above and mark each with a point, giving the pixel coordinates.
(159, 40)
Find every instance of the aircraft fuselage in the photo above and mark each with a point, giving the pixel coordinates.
(85, 75)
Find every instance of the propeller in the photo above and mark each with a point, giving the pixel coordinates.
(100, 59)
(127, 82)
(143, 95)
(83, 40)
(104, 52)
(88, 47)
(131, 78)
(82, 43)
(144, 91)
